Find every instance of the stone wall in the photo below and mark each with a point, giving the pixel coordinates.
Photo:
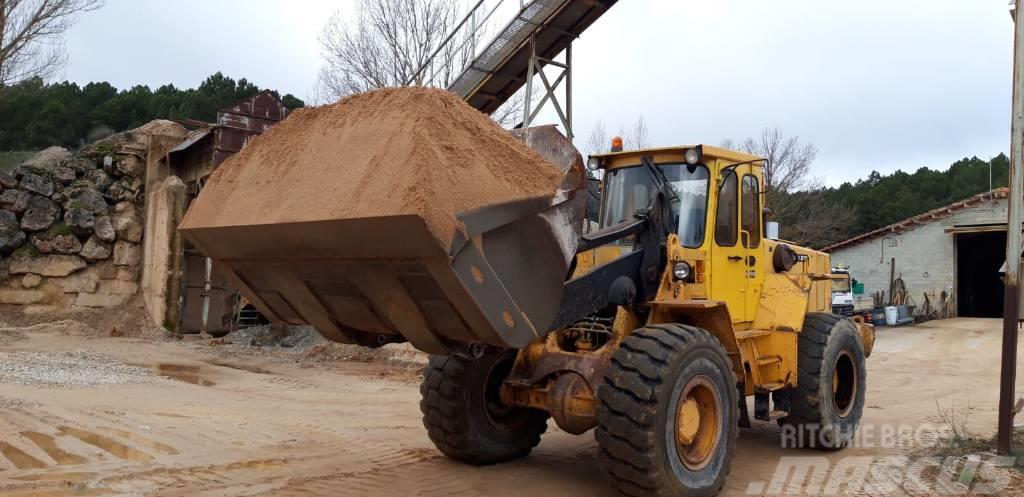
(71, 225)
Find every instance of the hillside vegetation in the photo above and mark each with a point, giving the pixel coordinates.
(37, 115)
(880, 200)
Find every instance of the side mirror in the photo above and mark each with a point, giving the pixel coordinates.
(771, 230)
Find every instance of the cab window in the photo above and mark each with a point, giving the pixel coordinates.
(751, 207)
(726, 222)
(691, 205)
(630, 189)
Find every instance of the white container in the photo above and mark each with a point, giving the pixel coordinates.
(892, 316)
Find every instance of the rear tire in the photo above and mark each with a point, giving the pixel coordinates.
(649, 444)
(826, 405)
(463, 414)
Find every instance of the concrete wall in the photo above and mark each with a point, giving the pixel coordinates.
(925, 256)
(165, 207)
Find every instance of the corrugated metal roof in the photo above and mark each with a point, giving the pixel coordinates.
(922, 219)
(191, 139)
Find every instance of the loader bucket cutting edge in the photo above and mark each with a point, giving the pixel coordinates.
(359, 279)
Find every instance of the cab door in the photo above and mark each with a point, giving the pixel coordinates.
(750, 239)
(728, 256)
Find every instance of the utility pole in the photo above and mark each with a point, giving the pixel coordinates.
(1008, 373)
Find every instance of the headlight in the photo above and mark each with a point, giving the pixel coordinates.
(594, 164)
(681, 271)
(692, 156)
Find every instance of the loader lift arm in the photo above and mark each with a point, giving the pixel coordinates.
(617, 282)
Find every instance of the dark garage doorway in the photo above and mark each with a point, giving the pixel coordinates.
(979, 291)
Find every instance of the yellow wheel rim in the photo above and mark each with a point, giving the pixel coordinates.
(844, 384)
(697, 422)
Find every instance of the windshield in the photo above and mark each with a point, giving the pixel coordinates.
(629, 189)
(841, 285)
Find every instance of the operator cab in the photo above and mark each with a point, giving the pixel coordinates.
(715, 198)
(842, 291)
(628, 187)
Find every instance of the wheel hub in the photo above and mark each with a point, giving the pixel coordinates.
(697, 422)
(844, 384)
(495, 407)
(689, 421)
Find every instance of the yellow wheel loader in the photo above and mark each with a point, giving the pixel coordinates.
(652, 329)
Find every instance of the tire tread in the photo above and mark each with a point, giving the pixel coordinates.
(629, 402)
(804, 399)
(446, 416)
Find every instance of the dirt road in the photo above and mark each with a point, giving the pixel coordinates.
(165, 418)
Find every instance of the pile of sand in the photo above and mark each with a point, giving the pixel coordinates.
(162, 127)
(387, 152)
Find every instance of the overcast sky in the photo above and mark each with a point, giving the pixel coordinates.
(875, 84)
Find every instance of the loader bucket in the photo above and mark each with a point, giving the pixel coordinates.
(377, 280)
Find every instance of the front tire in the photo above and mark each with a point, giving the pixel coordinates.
(463, 413)
(668, 411)
(826, 405)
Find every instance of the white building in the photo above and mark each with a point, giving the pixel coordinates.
(948, 259)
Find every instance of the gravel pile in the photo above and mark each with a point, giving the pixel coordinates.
(306, 344)
(69, 369)
(298, 339)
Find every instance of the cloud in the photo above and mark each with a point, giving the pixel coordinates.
(874, 84)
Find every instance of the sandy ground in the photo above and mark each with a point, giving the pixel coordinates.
(192, 419)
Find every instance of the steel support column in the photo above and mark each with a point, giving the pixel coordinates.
(535, 67)
(530, 68)
(568, 89)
